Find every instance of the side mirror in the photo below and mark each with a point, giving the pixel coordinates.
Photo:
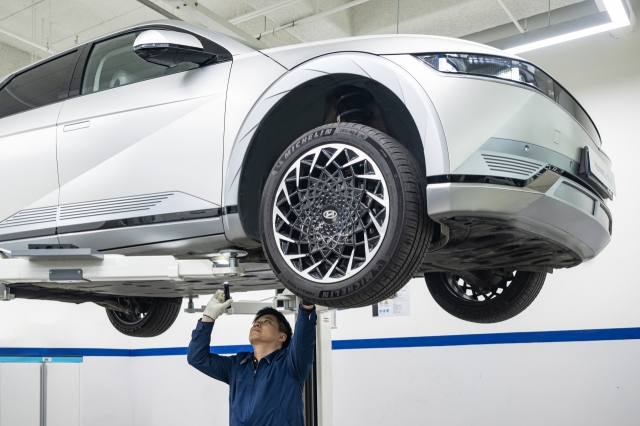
(170, 48)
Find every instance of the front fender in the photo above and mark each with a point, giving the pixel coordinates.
(374, 67)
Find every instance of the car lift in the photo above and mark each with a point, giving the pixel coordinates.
(69, 265)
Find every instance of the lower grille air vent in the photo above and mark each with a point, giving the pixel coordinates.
(516, 166)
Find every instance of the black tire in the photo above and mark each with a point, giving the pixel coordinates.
(147, 317)
(398, 251)
(505, 297)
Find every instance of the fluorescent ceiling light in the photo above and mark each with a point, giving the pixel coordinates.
(618, 17)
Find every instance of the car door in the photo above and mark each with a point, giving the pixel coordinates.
(141, 144)
(29, 107)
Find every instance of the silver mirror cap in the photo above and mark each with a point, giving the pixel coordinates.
(167, 38)
(170, 48)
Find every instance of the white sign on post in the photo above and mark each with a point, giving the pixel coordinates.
(397, 306)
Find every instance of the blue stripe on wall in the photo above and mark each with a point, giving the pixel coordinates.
(220, 350)
(64, 352)
(80, 352)
(39, 359)
(492, 339)
(395, 342)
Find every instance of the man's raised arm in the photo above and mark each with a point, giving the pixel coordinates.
(199, 355)
(303, 344)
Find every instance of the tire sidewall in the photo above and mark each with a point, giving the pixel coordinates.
(315, 291)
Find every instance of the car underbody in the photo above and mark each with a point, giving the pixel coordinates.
(458, 244)
(471, 243)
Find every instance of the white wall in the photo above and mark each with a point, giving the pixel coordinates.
(548, 383)
(13, 59)
(586, 383)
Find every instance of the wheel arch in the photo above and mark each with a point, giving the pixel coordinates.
(300, 101)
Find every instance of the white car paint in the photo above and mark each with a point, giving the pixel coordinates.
(166, 136)
(516, 113)
(187, 134)
(366, 65)
(29, 192)
(291, 56)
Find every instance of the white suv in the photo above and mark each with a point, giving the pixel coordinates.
(344, 168)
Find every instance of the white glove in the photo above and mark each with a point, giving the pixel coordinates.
(217, 305)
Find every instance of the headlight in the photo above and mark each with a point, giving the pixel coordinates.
(513, 70)
(492, 66)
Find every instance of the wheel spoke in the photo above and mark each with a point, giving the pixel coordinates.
(375, 176)
(375, 222)
(366, 247)
(330, 271)
(352, 162)
(295, 256)
(313, 163)
(283, 188)
(334, 156)
(377, 198)
(282, 237)
(350, 265)
(312, 267)
(283, 217)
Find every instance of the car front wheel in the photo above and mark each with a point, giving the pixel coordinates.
(343, 216)
(485, 296)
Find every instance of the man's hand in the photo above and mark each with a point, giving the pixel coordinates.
(216, 307)
(307, 305)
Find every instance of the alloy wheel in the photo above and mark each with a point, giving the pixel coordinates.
(330, 213)
(479, 286)
(137, 309)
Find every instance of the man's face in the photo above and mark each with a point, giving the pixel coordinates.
(266, 330)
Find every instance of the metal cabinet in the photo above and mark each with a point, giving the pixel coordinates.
(37, 391)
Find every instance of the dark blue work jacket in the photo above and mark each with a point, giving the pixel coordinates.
(272, 396)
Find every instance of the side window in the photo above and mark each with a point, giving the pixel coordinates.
(35, 87)
(112, 63)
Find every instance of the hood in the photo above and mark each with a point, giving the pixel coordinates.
(291, 56)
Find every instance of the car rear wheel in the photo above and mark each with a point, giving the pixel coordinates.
(343, 216)
(144, 316)
(485, 296)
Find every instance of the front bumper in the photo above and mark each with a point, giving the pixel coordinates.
(552, 207)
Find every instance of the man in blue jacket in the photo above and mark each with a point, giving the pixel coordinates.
(265, 386)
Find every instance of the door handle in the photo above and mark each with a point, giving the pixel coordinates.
(76, 126)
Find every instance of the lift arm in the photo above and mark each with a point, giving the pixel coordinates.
(72, 264)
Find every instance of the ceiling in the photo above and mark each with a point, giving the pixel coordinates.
(59, 24)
